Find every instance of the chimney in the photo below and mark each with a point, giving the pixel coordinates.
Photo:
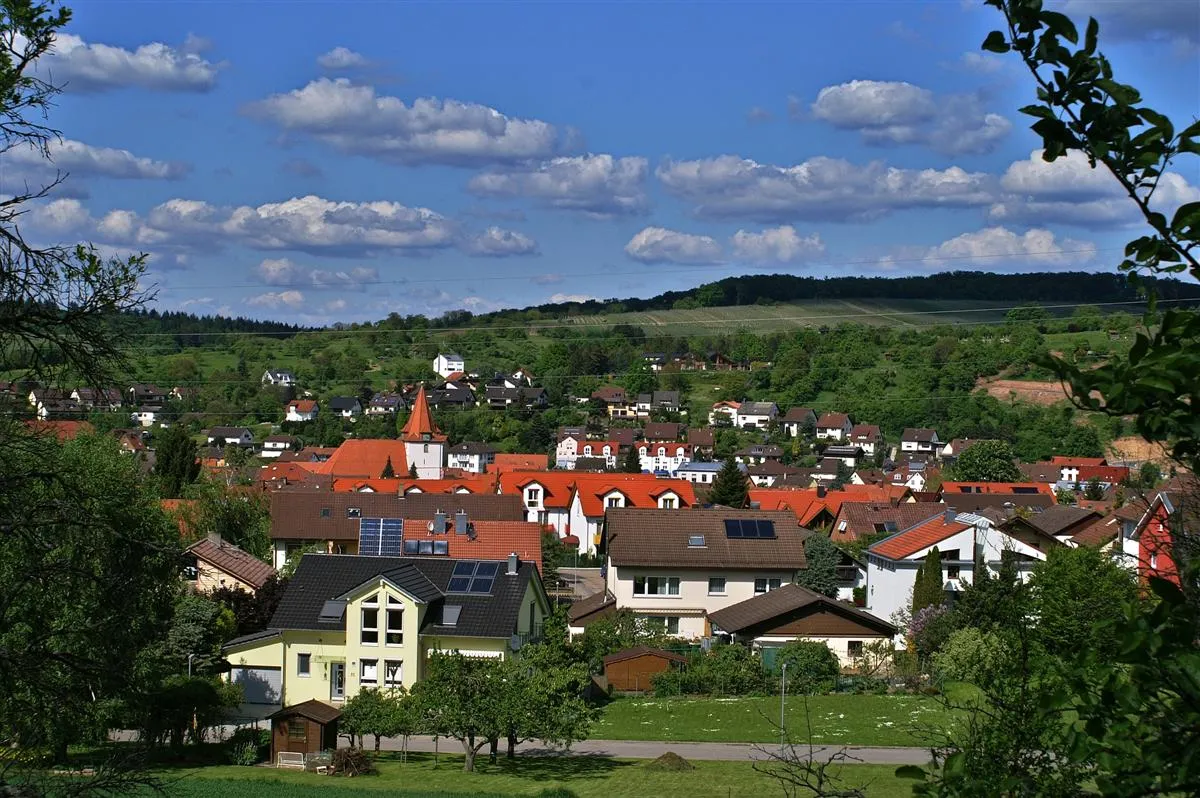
(820, 491)
(514, 562)
(439, 523)
(215, 538)
(461, 523)
(950, 515)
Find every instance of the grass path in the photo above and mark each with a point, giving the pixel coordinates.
(865, 720)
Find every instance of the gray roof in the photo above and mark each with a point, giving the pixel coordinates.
(473, 447)
(757, 409)
(228, 432)
(323, 577)
(342, 402)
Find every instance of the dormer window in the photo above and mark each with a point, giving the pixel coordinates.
(533, 497)
(354, 512)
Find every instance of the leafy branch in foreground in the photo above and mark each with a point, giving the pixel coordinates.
(1082, 108)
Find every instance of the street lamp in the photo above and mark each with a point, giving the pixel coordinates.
(190, 658)
(782, 697)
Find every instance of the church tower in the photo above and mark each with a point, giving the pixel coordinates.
(424, 443)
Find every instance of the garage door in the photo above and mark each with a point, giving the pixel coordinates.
(259, 685)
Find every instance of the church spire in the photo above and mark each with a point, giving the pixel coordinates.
(420, 426)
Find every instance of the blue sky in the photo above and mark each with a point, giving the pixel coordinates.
(323, 162)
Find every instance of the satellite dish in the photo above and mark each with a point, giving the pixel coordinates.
(429, 526)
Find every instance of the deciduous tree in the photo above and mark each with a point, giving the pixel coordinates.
(987, 461)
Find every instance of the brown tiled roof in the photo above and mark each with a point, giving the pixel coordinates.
(700, 437)
(1041, 472)
(1060, 518)
(861, 518)
(660, 538)
(643, 651)
(865, 432)
(973, 502)
(228, 558)
(832, 420)
(1099, 532)
(298, 515)
(919, 434)
(598, 605)
(623, 436)
(662, 431)
(788, 598)
(795, 415)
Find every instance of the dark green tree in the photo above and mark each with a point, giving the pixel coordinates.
(632, 462)
(388, 471)
(412, 470)
(464, 699)
(929, 590)
(987, 461)
(176, 462)
(639, 379)
(729, 489)
(1093, 491)
(1078, 595)
(822, 559)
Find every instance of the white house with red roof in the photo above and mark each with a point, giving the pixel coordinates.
(662, 456)
(960, 539)
(572, 447)
(301, 410)
(724, 413)
(424, 443)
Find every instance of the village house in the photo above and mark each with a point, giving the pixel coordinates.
(146, 394)
(350, 622)
(385, 403)
(662, 431)
(301, 410)
(345, 406)
(230, 436)
(282, 377)
(701, 473)
(702, 441)
(146, 415)
(570, 449)
(723, 413)
(615, 403)
(500, 397)
(962, 540)
(757, 415)
(573, 502)
(662, 457)
(866, 437)
(833, 427)
(673, 569)
(798, 420)
(213, 563)
(791, 612)
(275, 445)
(772, 472)
(920, 441)
(1146, 545)
(665, 401)
(471, 457)
(105, 400)
(758, 453)
(847, 453)
(449, 363)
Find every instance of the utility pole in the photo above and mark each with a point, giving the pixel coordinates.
(782, 698)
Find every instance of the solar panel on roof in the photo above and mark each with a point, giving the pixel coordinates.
(463, 568)
(733, 529)
(391, 535)
(482, 586)
(487, 569)
(369, 530)
(411, 547)
(766, 529)
(458, 584)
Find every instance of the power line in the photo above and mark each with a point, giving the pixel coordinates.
(536, 327)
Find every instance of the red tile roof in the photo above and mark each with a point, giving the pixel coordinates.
(364, 458)
(910, 541)
(640, 490)
(832, 421)
(63, 430)
(302, 405)
(520, 462)
(949, 489)
(483, 483)
(807, 504)
(1059, 460)
(493, 540)
(420, 426)
(1103, 473)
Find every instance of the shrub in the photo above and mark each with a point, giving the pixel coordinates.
(970, 655)
(811, 666)
(726, 670)
(352, 762)
(249, 746)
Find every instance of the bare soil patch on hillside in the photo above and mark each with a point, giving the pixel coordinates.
(1031, 391)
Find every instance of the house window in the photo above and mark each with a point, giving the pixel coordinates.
(426, 447)
(656, 586)
(297, 730)
(368, 671)
(614, 501)
(763, 585)
(854, 648)
(326, 512)
(667, 503)
(532, 497)
(661, 623)
(716, 586)
(304, 664)
(952, 572)
(1154, 561)
(370, 621)
(395, 622)
(393, 673)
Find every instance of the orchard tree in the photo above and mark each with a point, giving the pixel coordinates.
(463, 699)
(987, 461)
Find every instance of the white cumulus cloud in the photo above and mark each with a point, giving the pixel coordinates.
(599, 185)
(730, 187)
(84, 160)
(895, 112)
(275, 299)
(496, 242)
(558, 299)
(285, 272)
(88, 68)
(659, 245)
(341, 58)
(776, 244)
(354, 119)
(1069, 191)
(999, 247)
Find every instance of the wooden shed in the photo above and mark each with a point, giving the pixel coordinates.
(631, 670)
(307, 728)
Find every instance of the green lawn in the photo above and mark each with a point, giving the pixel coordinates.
(875, 720)
(586, 777)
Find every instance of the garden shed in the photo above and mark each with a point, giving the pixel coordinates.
(632, 669)
(307, 728)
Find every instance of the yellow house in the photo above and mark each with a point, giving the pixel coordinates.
(351, 621)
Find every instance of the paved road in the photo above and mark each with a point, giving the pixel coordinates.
(631, 749)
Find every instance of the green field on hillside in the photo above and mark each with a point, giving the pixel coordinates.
(808, 313)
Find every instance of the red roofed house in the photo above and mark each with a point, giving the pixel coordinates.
(664, 456)
(571, 448)
(365, 458)
(63, 430)
(573, 502)
(424, 443)
(1147, 544)
(960, 539)
(301, 410)
(723, 413)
